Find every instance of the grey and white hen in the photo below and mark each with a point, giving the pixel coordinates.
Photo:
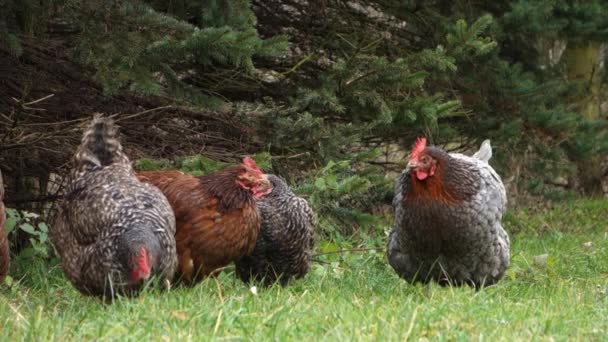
(448, 210)
(113, 232)
(284, 246)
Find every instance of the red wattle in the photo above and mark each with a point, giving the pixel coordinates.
(260, 194)
(421, 175)
(142, 270)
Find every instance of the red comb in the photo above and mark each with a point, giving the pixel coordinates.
(251, 165)
(419, 146)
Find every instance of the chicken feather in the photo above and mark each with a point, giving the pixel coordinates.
(448, 226)
(112, 231)
(216, 215)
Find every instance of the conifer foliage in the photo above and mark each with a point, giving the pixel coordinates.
(189, 50)
(194, 54)
(332, 81)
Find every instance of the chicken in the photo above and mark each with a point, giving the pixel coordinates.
(113, 232)
(284, 246)
(448, 210)
(217, 218)
(5, 257)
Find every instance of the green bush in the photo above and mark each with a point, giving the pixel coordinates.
(344, 195)
(29, 223)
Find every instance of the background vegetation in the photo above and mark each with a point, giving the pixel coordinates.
(310, 84)
(329, 94)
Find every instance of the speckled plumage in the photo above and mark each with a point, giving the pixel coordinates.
(107, 216)
(284, 246)
(454, 236)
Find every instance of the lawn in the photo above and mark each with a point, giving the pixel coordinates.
(556, 289)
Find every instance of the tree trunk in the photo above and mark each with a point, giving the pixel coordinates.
(583, 62)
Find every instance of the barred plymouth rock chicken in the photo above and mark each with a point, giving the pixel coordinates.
(113, 232)
(217, 217)
(284, 246)
(448, 210)
(5, 257)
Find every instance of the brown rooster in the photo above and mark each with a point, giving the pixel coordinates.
(4, 250)
(216, 214)
(113, 232)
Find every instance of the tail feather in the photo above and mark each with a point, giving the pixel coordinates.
(100, 144)
(485, 151)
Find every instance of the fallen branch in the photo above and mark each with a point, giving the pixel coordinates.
(292, 156)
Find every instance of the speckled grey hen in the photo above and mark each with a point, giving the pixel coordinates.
(284, 245)
(112, 232)
(448, 211)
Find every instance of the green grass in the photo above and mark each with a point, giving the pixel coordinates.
(356, 296)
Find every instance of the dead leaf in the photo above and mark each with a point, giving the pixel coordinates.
(179, 315)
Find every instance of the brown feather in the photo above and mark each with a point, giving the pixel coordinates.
(217, 220)
(433, 188)
(446, 185)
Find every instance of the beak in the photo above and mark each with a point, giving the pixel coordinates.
(412, 164)
(264, 187)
